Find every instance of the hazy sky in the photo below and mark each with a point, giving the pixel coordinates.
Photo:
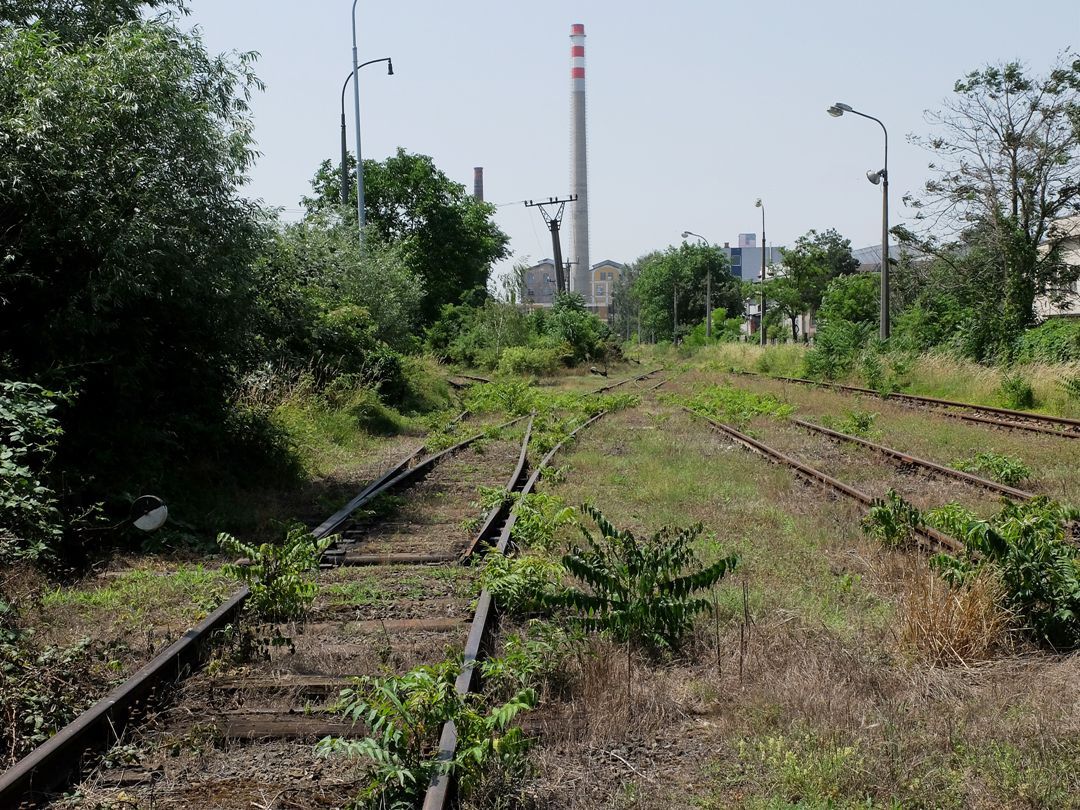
(695, 109)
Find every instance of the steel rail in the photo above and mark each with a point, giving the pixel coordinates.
(102, 724)
(931, 538)
(439, 789)
(944, 404)
(907, 458)
(611, 386)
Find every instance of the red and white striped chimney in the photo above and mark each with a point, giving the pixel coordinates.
(579, 180)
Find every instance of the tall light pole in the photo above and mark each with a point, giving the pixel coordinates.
(356, 110)
(344, 151)
(761, 314)
(882, 177)
(708, 284)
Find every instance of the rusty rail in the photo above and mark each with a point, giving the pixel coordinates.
(930, 538)
(441, 787)
(907, 458)
(51, 763)
(944, 406)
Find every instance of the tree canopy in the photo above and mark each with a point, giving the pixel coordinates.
(808, 267)
(678, 274)
(449, 239)
(1006, 164)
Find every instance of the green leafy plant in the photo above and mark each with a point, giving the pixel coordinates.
(639, 590)
(1027, 545)
(519, 584)
(854, 422)
(278, 574)
(1071, 386)
(1008, 470)
(539, 517)
(30, 522)
(892, 520)
(404, 715)
(1016, 392)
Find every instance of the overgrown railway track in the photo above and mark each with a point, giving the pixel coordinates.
(281, 701)
(1059, 426)
(928, 538)
(361, 546)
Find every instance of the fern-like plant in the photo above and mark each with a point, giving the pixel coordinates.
(892, 520)
(278, 574)
(639, 590)
(404, 715)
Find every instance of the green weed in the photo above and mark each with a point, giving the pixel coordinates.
(892, 520)
(731, 404)
(854, 422)
(1016, 392)
(1008, 470)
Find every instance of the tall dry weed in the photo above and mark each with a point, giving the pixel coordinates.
(944, 625)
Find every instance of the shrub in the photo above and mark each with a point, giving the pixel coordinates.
(1016, 392)
(1008, 470)
(639, 590)
(30, 522)
(278, 575)
(1026, 545)
(1055, 341)
(836, 347)
(530, 360)
(539, 517)
(730, 403)
(519, 584)
(892, 520)
(855, 422)
(405, 714)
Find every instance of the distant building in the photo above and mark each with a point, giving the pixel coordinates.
(605, 274)
(1070, 254)
(541, 284)
(746, 259)
(747, 240)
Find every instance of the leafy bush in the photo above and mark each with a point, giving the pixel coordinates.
(1026, 544)
(30, 522)
(519, 584)
(1071, 386)
(1016, 392)
(535, 360)
(854, 422)
(837, 345)
(892, 520)
(1055, 341)
(1008, 470)
(405, 714)
(539, 517)
(639, 590)
(278, 575)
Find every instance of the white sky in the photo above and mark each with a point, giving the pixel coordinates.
(695, 108)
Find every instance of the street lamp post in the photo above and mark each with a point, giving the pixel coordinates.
(881, 177)
(708, 285)
(344, 152)
(761, 314)
(356, 110)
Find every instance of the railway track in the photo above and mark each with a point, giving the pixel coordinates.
(408, 560)
(1059, 426)
(928, 538)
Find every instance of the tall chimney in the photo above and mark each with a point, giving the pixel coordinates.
(478, 183)
(579, 179)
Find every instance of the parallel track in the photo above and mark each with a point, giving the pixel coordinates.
(1060, 426)
(928, 538)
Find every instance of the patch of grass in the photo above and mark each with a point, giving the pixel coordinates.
(855, 422)
(731, 404)
(133, 596)
(1016, 392)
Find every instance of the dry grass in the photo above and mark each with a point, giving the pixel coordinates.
(942, 625)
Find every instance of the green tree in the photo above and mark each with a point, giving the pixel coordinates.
(678, 275)
(81, 20)
(854, 298)
(449, 239)
(808, 267)
(1006, 158)
(127, 250)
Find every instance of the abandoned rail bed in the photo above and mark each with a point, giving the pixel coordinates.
(393, 595)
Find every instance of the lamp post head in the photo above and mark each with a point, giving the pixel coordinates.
(875, 177)
(835, 111)
(759, 203)
(389, 67)
(685, 234)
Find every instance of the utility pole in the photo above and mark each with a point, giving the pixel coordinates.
(553, 220)
(674, 314)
